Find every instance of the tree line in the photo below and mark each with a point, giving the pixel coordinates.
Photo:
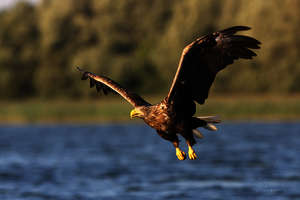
(138, 43)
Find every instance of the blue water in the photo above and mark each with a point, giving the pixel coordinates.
(68, 162)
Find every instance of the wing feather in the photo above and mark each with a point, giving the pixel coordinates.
(202, 59)
(107, 85)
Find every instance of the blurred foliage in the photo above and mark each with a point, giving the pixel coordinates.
(138, 43)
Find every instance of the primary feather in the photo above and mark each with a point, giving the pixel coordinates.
(201, 61)
(107, 85)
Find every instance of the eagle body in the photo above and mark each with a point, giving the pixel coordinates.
(199, 64)
(161, 118)
(168, 123)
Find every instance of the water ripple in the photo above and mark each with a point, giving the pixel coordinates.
(241, 161)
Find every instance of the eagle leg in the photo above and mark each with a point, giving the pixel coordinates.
(179, 153)
(174, 139)
(190, 141)
(192, 154)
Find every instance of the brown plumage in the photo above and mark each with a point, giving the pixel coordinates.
(199, 64)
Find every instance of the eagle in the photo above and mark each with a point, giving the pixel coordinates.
(199, 64)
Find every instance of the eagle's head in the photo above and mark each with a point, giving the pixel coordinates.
(139, 111)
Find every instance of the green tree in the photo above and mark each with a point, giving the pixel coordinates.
(19, 54)
(137, 42)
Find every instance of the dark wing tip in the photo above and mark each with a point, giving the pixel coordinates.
(238, 46)
(99, 86)
(241, 28)
(85, 75)
(246, 41)
(79, 69)
(232, 30)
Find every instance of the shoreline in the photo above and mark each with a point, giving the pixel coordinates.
(115, 110)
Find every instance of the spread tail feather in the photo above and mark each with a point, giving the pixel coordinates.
(210, 120)
(198, 134)
(210, 127)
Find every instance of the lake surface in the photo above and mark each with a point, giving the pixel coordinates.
(68, 162)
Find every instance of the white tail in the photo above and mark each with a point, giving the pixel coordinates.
(210, 121)
(198, 134)
(210, 127)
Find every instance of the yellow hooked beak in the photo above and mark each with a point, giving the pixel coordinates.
(135, 113)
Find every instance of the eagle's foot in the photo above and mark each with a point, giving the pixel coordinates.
(180, 154)
(192, 154)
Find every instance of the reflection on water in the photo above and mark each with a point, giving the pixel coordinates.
(241, 161)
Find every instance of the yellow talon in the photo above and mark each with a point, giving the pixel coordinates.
(180, 154)
(192, 154)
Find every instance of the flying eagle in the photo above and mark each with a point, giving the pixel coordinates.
(199, 64)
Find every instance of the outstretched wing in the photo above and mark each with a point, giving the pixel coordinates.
(203, 59)
(105, 84)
